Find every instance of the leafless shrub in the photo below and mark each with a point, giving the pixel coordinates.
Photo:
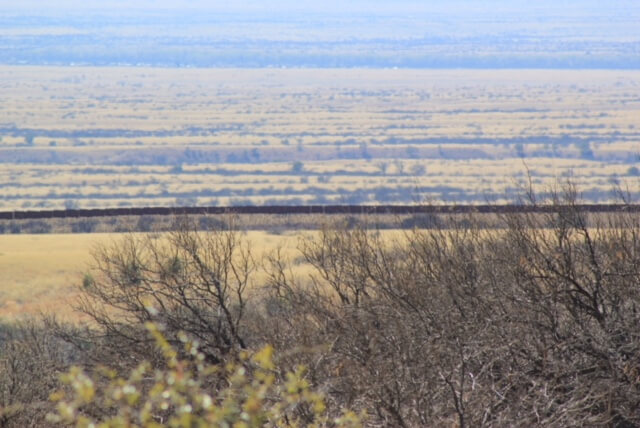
(534, 322)
(31, 358)
(189, 281)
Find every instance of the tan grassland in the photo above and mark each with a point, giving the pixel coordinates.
(106, 137)
(43, 273)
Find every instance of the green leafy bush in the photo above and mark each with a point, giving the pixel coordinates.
(177, 396)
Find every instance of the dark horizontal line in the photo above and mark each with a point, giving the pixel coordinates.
(319, 209)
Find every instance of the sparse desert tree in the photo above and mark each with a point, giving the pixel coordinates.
(297, 167)
(382, 167)
(190, 281)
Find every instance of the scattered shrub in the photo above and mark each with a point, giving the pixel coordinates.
(84, 226)
(532, 322)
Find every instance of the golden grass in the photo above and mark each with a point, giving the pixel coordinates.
(303, 115)
(48, 186)
(43, 273)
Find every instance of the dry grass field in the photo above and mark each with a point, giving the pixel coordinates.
(43, 273)
(108, 137)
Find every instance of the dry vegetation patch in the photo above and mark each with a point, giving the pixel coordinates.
(105, 137)
(532, 320)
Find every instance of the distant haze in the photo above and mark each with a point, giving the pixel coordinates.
(357, 33)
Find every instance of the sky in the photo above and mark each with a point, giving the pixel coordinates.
(328, 6)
